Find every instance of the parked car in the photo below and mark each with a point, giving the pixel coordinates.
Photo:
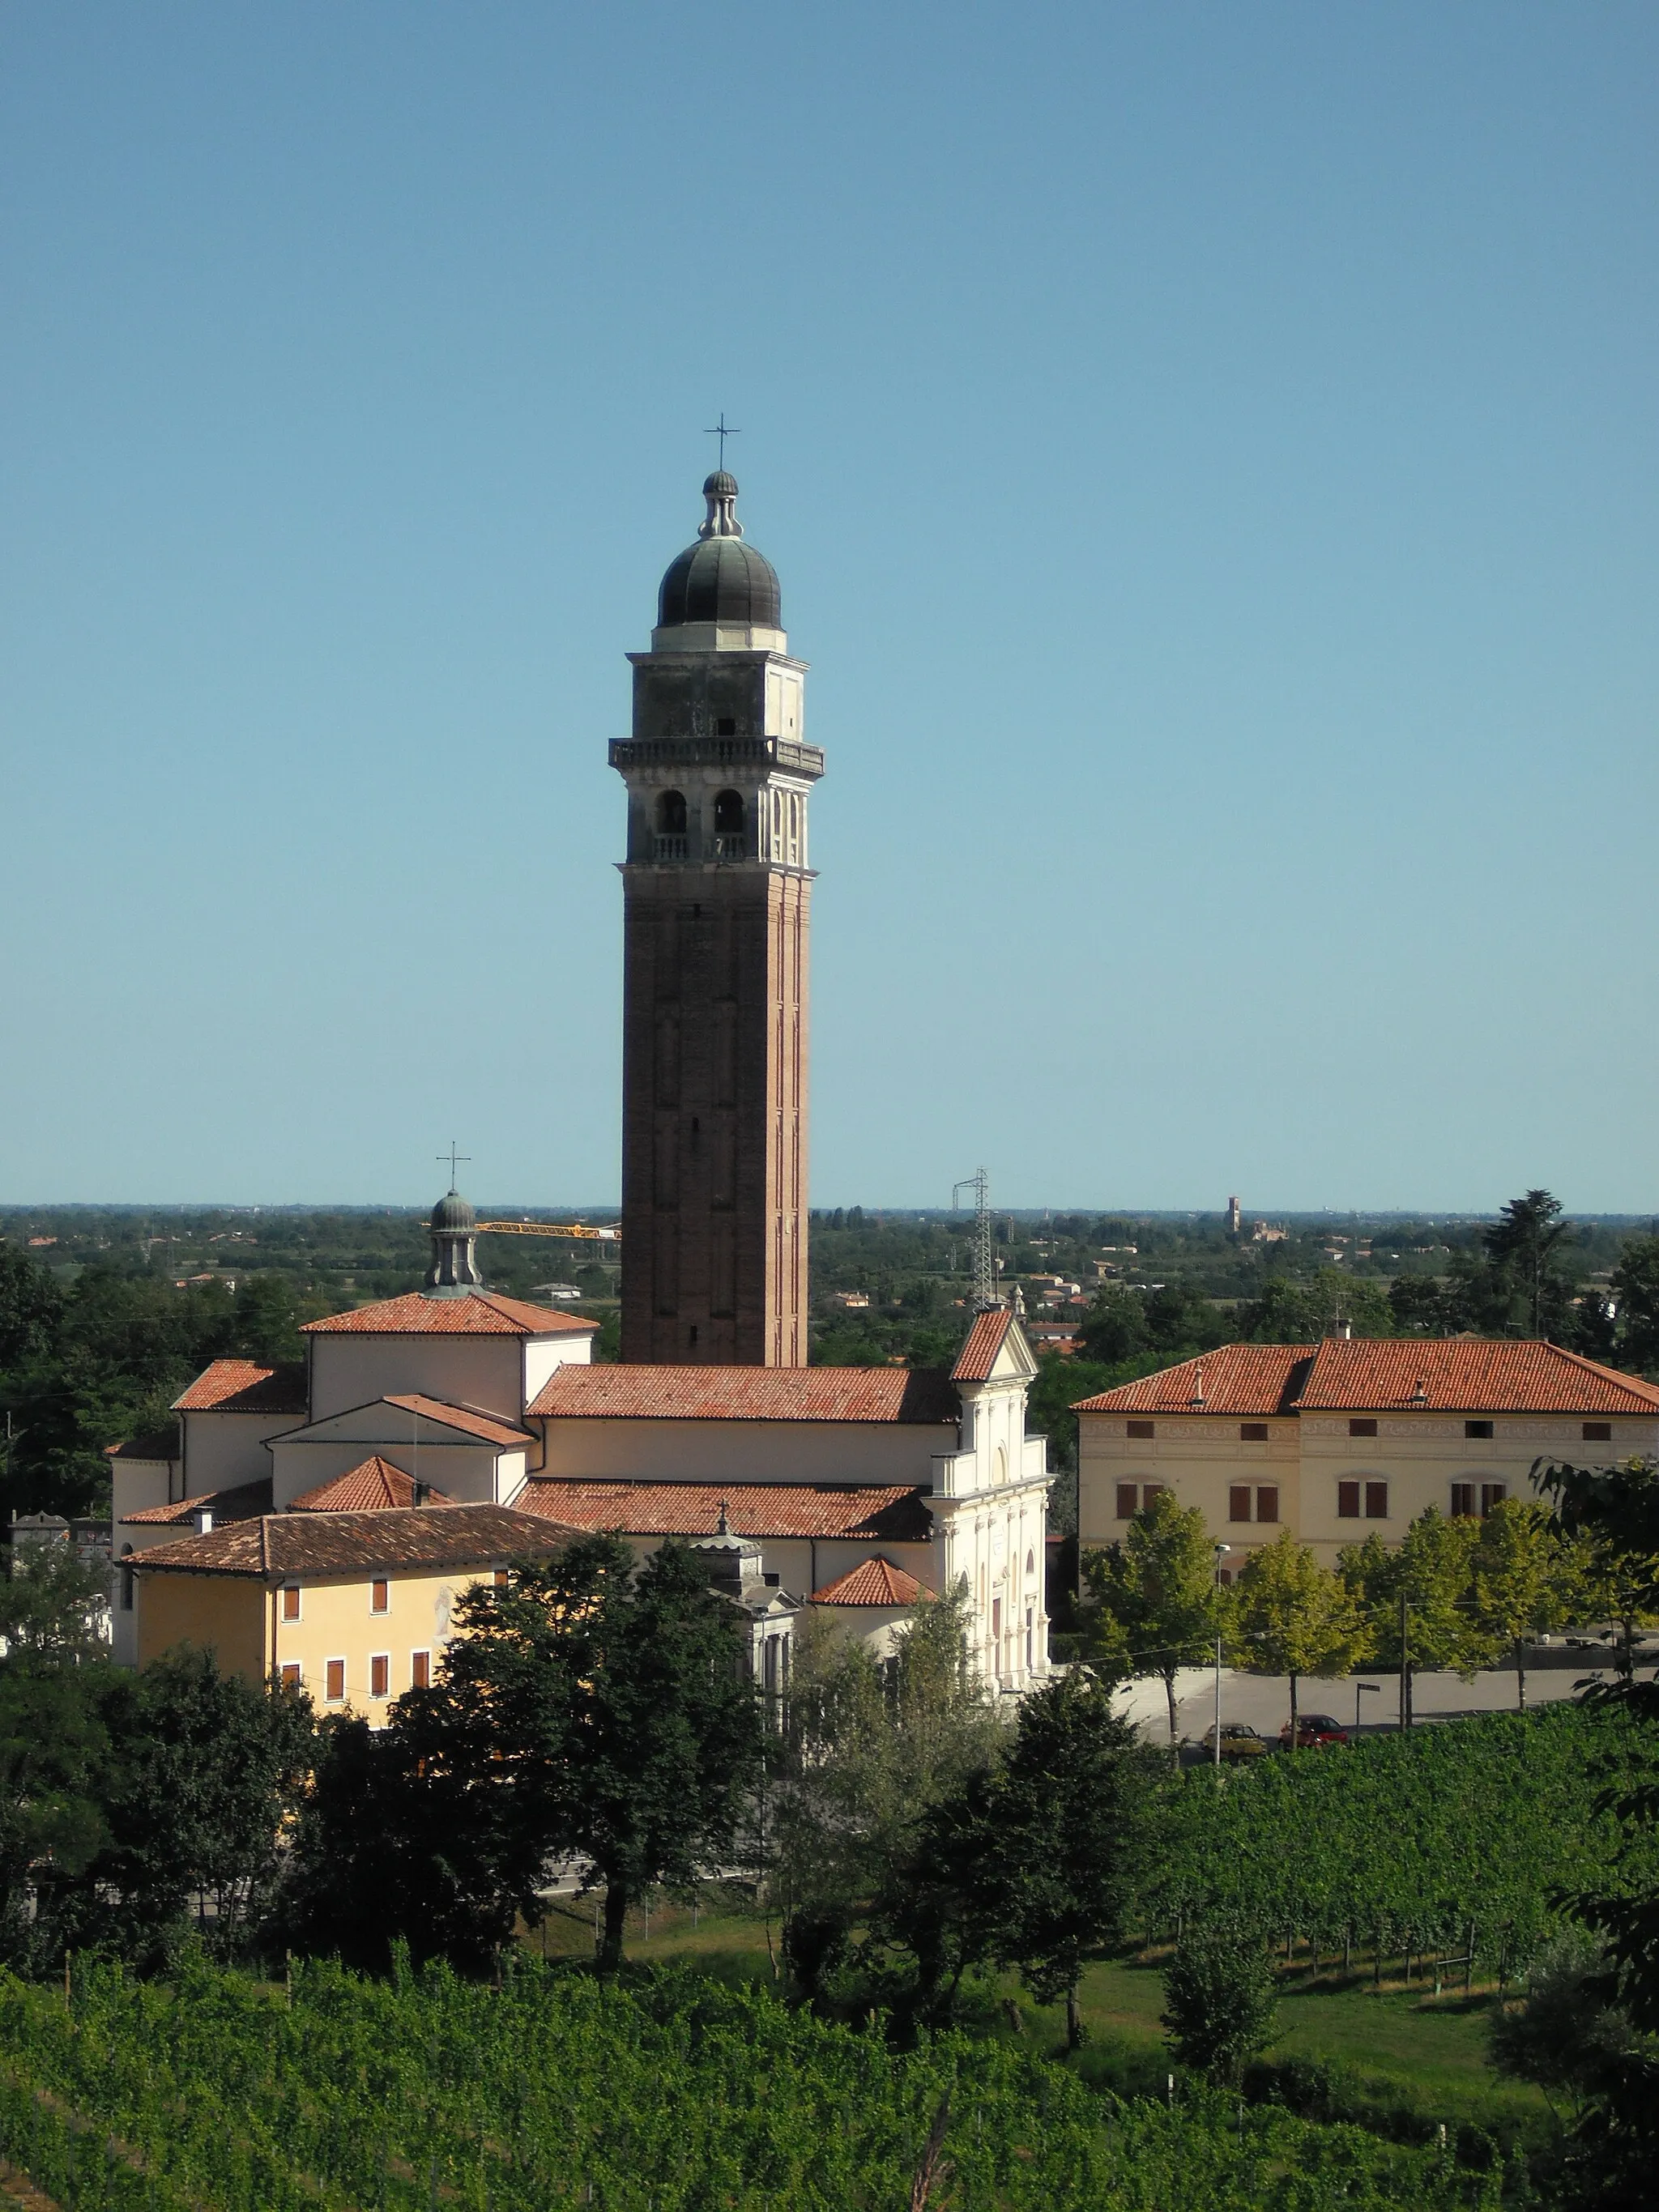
(1314, 1732)
(1238, 1741)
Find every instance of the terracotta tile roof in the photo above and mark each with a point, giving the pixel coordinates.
(1456, 1374)
(480, 1313)
(465, 1418)
(985, 1340)
(754, 1509)
(748, 1394)
(1238, 1378)
(875, 1581)
(242, 1386)
(241, 1503)
(1462, 1374)
(278, 1544)
(161, 1443)
(376, 1486)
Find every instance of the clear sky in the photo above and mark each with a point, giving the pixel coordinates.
(1210, 454)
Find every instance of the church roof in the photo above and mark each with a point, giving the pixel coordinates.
(747, 1394)
(158, 1444)
(240, 1503)
(891, 1513)
(873, 1582)
(986, 1339)
(467, 1419)
(243, 1386)
(1363, 1374)
(375, 1487)
(721, 580)
(478, 1313)
(355, 1543)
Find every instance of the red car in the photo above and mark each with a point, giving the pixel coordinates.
(1314, 1732)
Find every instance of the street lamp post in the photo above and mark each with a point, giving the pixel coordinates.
(1221, 1552)
(1359, 1689)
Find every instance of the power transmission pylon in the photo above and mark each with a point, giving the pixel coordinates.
(985, 1287)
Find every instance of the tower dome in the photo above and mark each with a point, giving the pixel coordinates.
(454, 1269)
(722, 579)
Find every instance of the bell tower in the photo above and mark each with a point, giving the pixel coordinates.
(717, 902)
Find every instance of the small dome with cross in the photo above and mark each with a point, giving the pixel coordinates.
(721, 580)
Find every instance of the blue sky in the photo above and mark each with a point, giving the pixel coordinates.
(1210, 454)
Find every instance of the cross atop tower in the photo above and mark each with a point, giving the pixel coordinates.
(454, 1157)
(723, 432)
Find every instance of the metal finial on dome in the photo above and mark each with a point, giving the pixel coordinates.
(721, 490)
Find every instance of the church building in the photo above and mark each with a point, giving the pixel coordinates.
(860, 1491)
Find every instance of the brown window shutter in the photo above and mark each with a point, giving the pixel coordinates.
(1376, 1501)
(1150, 1491)
(1492, 1493)
(379, 1597)
(1253, 1433)
(290, 1601)
(1347, 1501)
(1238, 1502)
(1127, 1495)
(1366, 1427)
(1144, 1430)
(1267, 1501)
(1598, 1432)
(379, 1675)
(420, 1671)
(334, 1682)
(1462, 1494)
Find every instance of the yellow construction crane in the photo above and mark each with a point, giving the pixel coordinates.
(560, 1228)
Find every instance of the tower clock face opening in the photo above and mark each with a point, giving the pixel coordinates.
(717, 894)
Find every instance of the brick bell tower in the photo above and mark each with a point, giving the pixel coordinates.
(717, 903)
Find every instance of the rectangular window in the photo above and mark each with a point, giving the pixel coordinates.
(1376, 1501)
(380, 1674)
(334, 1680)
(1347, 1501)
(1253, 1433)
(1492, 1493)
(1127, 1498)
(289, 1674)
(420, 1671)
(127, 1588)
(1598, 1432)
(1238, 1502)
(1267, 1501)
(1362, 1428)
(379, 1597)
(996, 1618)
(1150, 1491)
(1477, 1428)
(501, 1579)
(1143, 1428)
(290, 1601)
(1463, 1501)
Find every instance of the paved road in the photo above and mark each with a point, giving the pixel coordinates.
(1264, 1700)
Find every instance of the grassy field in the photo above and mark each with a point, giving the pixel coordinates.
(1401, 2055)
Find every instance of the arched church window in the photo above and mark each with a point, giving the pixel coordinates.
(670, 843)
(730, 821)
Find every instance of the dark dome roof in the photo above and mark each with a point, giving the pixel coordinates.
(453, 1214)
(721, 580)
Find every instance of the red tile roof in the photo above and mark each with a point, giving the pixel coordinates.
(241, 1503)
(376, 1486)
(755, 1508)
(242, 1386)
(480, 1313)
(1238, 1378)
(1466, 1375)
(424, 1537)
(1458, 1374)
(985, 1340)
(748, 1394)
(876, 1581)
(465, 1418)
(161, 1443)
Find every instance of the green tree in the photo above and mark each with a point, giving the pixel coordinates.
(1159, 1606)
(31, 1307)
(868, 1749)
(1528, 1235)
(1564, 2035)
(1432, 1571)
(54, 1745)
(1294, 1310)
(1425, 1305)
(203, 1776)
(1525, 1580)
(1113, 1329)
(1635, 1287)
(1292, 1616)
(1218, 2002)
